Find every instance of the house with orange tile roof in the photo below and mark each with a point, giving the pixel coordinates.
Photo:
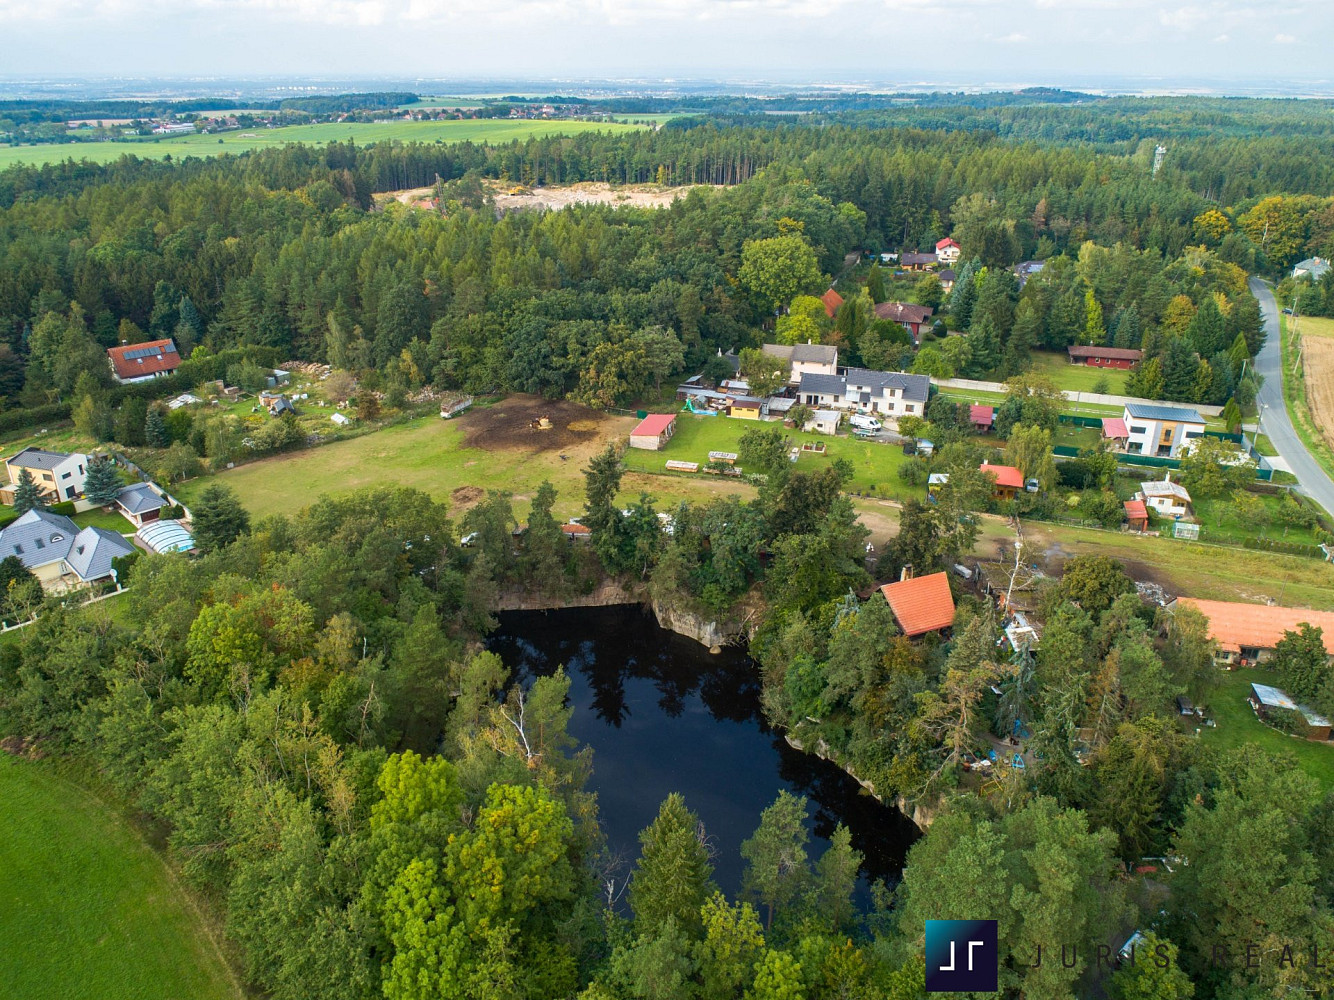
(921, 604)
(832, 300)
(1009, 480)
(1248, 633)
(1137, 515)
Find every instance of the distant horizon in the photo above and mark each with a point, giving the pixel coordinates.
(251, 86)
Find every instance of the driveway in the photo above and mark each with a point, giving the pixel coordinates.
(1274, 421)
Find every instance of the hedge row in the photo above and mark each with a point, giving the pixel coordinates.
(1288, 548)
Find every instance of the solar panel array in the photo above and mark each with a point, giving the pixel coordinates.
(143, 352)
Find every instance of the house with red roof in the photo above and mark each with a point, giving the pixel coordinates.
(832, 300)
(1103, 357)
(911, 317)
(654, 431)
(947, 251)
(921, 604)
(141, 362)
(1009, 480)
(1114, 430)
(983, 418)
(1137, 515)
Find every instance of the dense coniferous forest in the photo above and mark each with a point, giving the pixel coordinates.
(380, 812)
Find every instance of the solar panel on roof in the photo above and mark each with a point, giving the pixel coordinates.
(142, 352)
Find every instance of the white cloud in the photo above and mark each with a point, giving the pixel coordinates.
(1013, 37)
(1184, 18)
(1220, 39)
(1282, 39)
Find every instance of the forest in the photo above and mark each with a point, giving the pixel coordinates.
(308, 709)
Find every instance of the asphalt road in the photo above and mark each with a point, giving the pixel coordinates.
(1274, 421)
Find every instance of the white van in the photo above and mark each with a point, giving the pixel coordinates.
(863, 422)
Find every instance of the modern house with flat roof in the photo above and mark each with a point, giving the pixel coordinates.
(1164, 431)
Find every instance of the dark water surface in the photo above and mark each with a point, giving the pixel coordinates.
(662, 714)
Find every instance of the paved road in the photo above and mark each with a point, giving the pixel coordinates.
(1311, 478)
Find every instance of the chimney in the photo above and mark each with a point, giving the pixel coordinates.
(905, 573)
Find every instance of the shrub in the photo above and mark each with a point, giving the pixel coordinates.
(65, 508)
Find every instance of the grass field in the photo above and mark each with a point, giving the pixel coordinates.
(996, 398)
(1191, 569)
(876, 463)
(86, 908)
(365, 133)
(1221, 522)
(1077, 378)
(1237, 726)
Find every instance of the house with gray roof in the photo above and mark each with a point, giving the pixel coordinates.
(141, 503)
(58, 474)
(803, 359)
(58, 553)
(888, 395)
(1314, 268)
(1164, 431)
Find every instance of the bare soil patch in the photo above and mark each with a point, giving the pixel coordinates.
(1318, 355)
(514, 424)
(467, 495)
(510, 198)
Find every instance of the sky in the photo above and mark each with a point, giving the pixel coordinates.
(940, 42)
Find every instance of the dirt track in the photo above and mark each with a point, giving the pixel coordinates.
(1318, 360)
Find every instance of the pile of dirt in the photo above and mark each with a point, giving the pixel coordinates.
(515, 424)
(466, 495)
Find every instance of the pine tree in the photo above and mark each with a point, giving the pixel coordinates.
(102, 484)
(1126, 329)
(1220, 389)
(1238, 354)
(964, 294)
(218, 518)
(1180, 367)
(155, 429)
(672, 876)
(1207, 333)
(27, 495)
(1024, 337)
(776, 865)
(985, 342)
(1146, 381)
(875, 284)
(1232, 416)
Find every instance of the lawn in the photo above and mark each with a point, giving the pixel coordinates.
(1192, 569)
(1238, 725)
(1077, 378)
(996, 398)
(1076, 437)
(86, 908)
(1221, 522)
(487, 130)
(98, 518)
(875, 463)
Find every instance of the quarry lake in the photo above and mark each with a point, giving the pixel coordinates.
(662, 714)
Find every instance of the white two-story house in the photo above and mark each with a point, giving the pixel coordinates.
(887, 395)
(804, 359)
(58, 474)
(1164, 431)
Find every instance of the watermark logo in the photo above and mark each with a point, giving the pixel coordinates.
(961, 956)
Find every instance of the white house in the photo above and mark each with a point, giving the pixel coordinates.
(861, 390)
(1164, 431)
(56, 473)
(804, 359)
(947, 251)
(823, 422)
(1312, 267)
(58, 553)
(1169, 499)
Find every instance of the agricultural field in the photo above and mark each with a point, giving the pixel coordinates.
(86, 908)
(364, 133)
(1237, 725)
(1077, 378)
(1318, 370)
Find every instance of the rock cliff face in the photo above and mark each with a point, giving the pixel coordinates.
(921, 815)
(709, 633)
(607, 594)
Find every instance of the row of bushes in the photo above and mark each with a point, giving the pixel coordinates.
(1288, 548)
